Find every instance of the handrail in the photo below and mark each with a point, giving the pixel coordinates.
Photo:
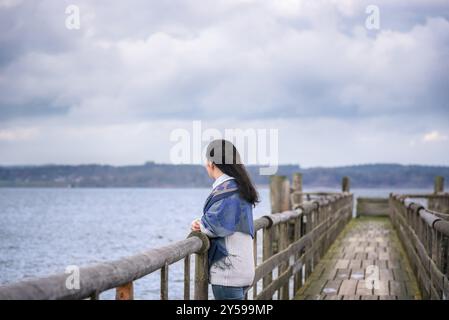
(104, 276)
(425, 236)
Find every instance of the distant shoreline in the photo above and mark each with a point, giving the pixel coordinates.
(152, 175)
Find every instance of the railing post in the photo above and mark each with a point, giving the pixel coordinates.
(280, 202)
(439, 184)
(296, 200)
(279, 194)
(440, 203)
(267, 252)
(345, 184)
(125, 292)
(187, 277)
(201, 290)
(164, 282)
(296, 187)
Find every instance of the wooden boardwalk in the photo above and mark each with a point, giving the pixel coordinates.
(366, 262)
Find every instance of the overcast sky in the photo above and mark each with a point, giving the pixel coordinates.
(113, 91)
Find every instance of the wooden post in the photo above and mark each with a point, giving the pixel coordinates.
(255, 264)
(201, 277)
(187, 277)
(283, 244)
(280, 202)
(95, 296)
(275, 201)
(345, 184)
(296, 187)
(276, 183)
(439, 184)
(125, 292)
(297, 280)
(296, 200)
(201, 268)
(164, 282)
(267, 251)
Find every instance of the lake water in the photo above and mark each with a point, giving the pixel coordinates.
(44, 230)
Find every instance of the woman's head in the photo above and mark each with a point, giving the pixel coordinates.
(223, 157)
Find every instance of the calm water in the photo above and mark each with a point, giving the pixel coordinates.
(44, 230)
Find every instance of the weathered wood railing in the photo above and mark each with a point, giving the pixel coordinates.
(303, 236)
(425, 236)
(120, 274)
(294, 238)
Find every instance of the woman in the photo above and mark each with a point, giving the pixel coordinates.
(228, 221)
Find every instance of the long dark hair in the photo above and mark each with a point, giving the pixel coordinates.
(225, 156)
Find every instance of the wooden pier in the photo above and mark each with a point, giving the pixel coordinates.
(366, 262)
(309, 247)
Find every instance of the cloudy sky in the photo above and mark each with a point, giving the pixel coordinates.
(114, 90)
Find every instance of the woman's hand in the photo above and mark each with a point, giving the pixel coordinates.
(195, 225)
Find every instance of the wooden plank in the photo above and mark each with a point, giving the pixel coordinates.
(381, 288)
(358, 274)
(362, 288)
(355, 264)
(342, 264)
(275, 285)
(381, 263)
(397, 288)
(331, 287)
(387, 297)
(370, 297)
(348, 287)
(333, 297)
(342, 274)
(372, 206)
(367, 263)
(400, 274)
(386, 274)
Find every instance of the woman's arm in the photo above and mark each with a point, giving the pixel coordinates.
(219, 220)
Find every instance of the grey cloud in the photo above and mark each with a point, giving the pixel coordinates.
(141, 60)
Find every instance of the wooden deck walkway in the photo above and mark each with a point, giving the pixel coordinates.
(366, 262)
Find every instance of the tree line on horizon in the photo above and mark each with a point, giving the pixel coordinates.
(153, 175)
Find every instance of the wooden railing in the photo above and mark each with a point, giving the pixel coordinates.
(425, 236)
(121, 274)
(293, 241)
(303, 236)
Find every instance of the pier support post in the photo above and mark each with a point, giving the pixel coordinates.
(201, 268)
(439, 184)
(280, 202)
(279, 194)
(296, 199)
(267, 252)
(345, 184)
(440, 203)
